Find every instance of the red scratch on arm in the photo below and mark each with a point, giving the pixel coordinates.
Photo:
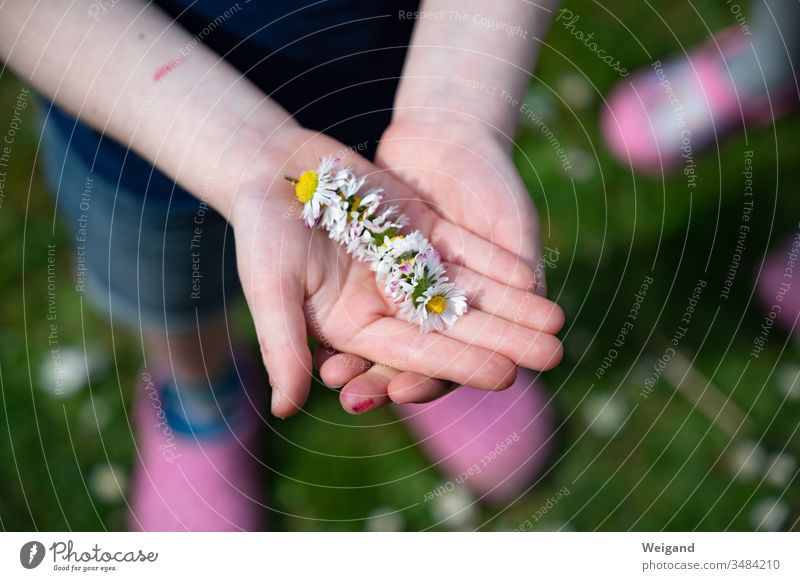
(167, 69)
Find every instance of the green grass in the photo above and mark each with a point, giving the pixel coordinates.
(666, 467)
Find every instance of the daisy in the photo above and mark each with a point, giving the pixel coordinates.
(387, 223)
(439, 306)
(316, 189)
(418, 273)
(337, 216)
(378, 230)
(368, 205)
(397, 251)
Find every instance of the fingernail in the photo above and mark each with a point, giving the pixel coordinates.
(276, 398)
(363, 406)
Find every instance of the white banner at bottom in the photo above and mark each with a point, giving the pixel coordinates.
(400, 556)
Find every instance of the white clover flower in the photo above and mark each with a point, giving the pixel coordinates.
(318, 188)
(408, 264)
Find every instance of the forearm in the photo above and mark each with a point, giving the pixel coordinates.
(471, 60)
(142, 79)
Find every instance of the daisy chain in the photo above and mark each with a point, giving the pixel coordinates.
(409, 267)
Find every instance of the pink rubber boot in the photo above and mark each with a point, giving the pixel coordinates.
(187, 483)
(778, 285)
(495, 443)
(684, 106)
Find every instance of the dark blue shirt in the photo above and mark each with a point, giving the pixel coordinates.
(334, 64)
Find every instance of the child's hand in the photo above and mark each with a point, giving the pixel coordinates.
(296, 281)
(467, 175)
(466, 172)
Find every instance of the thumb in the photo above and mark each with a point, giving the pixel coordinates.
(281, 327)
(275, 293)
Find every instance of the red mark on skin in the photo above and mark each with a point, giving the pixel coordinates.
(363, 405)
(167, 69)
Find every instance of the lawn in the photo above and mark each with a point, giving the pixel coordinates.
(673, 425)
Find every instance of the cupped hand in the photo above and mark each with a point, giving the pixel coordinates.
(465, 173)
(298, 282)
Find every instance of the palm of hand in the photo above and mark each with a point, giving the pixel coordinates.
(344, 307)
(469, 177)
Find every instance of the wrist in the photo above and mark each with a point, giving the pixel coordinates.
(476, 115)
(261, 180)
(242, 167)
(452, 128)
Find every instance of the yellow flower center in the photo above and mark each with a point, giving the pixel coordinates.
(436, 304)
(306, 186)
(386, 239)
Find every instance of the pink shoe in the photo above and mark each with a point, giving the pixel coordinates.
(778, 285)
(183, 483)
(685, 106)
(495, 443)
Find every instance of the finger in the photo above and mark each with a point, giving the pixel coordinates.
(337, 369)
(432, 354)
(523, 308)
(410, 387)
(276, 304)
(462, 247)
(322, 352)
(457, 244)
(281, 329)
(524, 346)
(400, 387)
(540, 274)
(342, 368)
(367, 391)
